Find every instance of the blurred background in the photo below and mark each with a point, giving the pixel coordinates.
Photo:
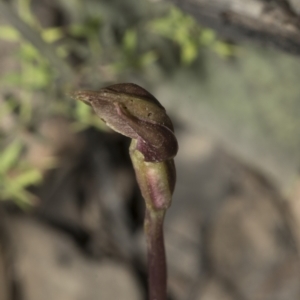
(71, 214)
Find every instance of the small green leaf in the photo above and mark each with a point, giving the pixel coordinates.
(189, 53)
(223, 49)
(53, 34)
(9, 156)
(35, 77)
(27, 178)
(207, 37)
(22, 197)
(130, 40)
(29, 52)
(9, 33)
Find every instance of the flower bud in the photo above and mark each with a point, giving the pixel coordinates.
(132, 111)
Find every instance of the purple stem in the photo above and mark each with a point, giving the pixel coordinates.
(157, 271)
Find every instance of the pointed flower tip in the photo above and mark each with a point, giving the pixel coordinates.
(81, 95)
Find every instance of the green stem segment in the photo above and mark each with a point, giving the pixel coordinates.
(156, 181)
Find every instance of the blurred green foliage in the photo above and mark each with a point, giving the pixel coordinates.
(16, 175)
(103, 43)
(183, 30)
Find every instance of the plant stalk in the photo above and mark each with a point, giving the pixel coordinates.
(134, 112)
(156, 187)
(157, 270)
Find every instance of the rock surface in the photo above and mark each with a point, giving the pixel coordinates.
(49, 266)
